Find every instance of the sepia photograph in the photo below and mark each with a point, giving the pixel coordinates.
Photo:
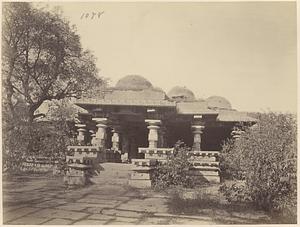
(149, 113)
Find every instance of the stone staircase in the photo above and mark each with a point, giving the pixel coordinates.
(113, 173)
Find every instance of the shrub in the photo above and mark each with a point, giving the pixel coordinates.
(265, 158)
(174, 171)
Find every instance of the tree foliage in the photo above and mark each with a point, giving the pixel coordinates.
(264, 158)
(42, 58)
(175, 171)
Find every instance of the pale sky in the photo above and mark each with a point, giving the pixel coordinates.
(245, 52)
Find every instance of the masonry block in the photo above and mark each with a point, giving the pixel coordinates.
(140, 183)
(140, 176)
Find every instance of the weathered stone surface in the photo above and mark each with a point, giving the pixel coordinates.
(140, 183)
(27, 221)
(185, 221)
(75, 180)
(146, 205)
(154, 221)
(11, 208)
(18, 213)
(156, 156)
(58, 221)
(73, 206)
(125, 219)
(122, 213)
(99, 201)
(251, 215)
(101, 217)
(55, 213)
(140, 176)
(50, 203)
(119, 223)
(90, 222)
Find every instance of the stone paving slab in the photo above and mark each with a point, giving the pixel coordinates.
(101, 217)
(154, 221)
(122, 213)
(55, 213)
(9, 216)
(49, 203)
(58, 221)
(90, 222)
(27, 221)
(181, 221)
(128, 220)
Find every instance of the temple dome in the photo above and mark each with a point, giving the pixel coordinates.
(181, 93)
(218, 102)
(133, 82)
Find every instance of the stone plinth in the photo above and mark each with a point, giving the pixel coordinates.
(82, 164)
(158, 154)
(141, 175)
(205, 166)
(77, 174)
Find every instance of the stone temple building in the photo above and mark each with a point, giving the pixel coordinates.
(135, 118)
(136, 114)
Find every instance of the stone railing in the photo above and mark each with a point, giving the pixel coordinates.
(40, 164)
(204, 165)
(162, 151)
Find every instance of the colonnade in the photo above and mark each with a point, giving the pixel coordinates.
(154, 126)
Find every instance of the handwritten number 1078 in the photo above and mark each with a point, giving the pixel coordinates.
(91, 15)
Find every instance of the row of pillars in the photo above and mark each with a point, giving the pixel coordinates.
(98, 138)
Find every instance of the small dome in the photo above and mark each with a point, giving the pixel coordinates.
(181, 93)
(218, 102)
(133, 82)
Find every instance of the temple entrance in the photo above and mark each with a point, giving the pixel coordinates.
(134, 135)
(180, 131)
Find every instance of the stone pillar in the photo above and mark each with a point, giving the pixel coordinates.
(197, 131)
(101, 132)
(115, 139)
(81, 131)
(93, 135)
(153, 132)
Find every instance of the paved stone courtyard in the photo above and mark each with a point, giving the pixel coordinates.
(45, 200)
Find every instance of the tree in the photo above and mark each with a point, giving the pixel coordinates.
(42, 59)
(265, 160)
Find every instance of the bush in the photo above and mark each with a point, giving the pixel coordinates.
(174, 171)
(265, 158)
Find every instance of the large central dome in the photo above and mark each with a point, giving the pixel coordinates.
(133, 82)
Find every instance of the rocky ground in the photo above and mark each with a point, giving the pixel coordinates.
(45, 200)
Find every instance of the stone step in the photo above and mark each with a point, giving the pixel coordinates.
(204, 163)
(205, 168)
(203, 173)
(156, 156)
(203, 158)
(144, 162)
